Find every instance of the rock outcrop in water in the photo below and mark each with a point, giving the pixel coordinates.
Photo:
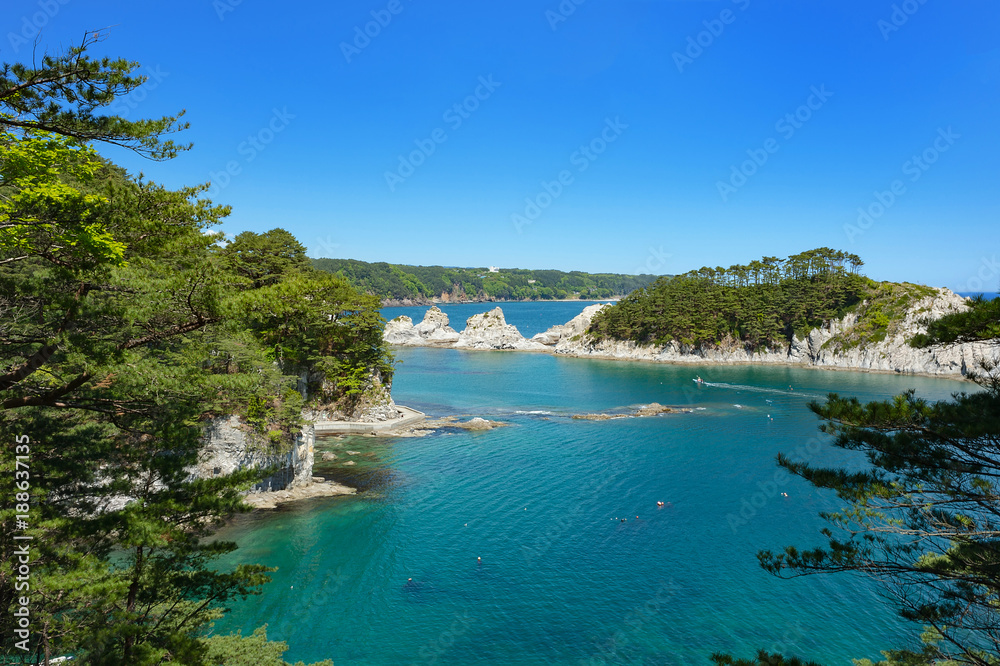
(487, 331)
(491, 331)
(433, 331)
(571, 330)
(838, 344)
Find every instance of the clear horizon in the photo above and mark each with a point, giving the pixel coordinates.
(622, 137)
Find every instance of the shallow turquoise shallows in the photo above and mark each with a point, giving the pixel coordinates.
(579, 564)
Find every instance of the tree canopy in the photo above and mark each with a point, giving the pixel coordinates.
(427, 283)
(65, 93)
(760, 305)
(923, 515)
(126, 326)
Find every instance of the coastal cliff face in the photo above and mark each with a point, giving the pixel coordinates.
(231, 446)
(842, 343)
(837, 345)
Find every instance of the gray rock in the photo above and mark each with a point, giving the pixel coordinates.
(490, 330)
(432, 331)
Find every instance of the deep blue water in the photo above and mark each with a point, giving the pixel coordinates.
(562, 579)
(989, 295)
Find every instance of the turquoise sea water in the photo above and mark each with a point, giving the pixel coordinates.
(562, 579)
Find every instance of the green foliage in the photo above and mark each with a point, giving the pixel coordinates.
(426, 283)
(255, 650)
(264, 258)
(880, 315)
(980, 322)
(65, 93)
(124, 327)
(758, 306)
(923, 518)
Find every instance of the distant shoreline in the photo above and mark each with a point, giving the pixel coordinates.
(410, 303)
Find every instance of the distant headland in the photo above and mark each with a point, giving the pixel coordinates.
(400, 284)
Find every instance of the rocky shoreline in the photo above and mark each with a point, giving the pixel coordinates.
(823, 347)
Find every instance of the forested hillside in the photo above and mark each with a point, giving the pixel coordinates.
(425, 284)
(760, 305)
(127, 325)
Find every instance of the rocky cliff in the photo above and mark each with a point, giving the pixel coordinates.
(838, 345)
(231, 446)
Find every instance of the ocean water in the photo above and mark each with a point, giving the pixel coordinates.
(562, 580)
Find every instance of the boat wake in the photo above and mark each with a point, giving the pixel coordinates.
(761, 389)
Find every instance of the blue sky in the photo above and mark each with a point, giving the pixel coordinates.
(625, 136)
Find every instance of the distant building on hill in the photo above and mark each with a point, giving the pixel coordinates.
(494, 269)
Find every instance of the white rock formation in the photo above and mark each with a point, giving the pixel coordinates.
(432, 331)
(491, 331)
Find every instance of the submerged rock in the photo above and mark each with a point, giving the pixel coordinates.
(652, 409)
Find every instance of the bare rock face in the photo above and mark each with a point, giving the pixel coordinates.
(400, 331)
(231, 446)
(575, 327)
(491, 331)
(432, 331)
(435, 329)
